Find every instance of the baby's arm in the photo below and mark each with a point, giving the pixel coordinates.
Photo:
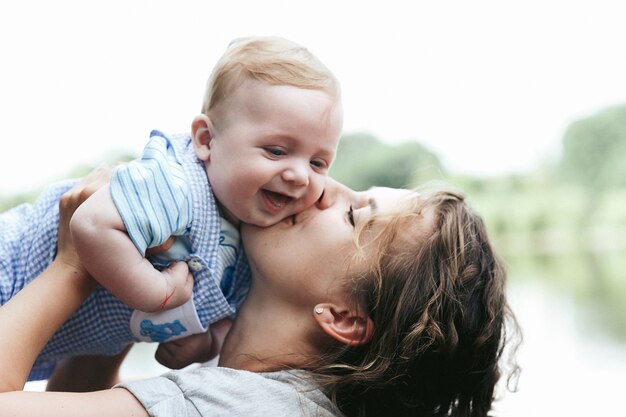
(108, 253)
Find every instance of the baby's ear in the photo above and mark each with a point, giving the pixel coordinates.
(201, 136)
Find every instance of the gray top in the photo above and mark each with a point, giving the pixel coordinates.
(215, 391)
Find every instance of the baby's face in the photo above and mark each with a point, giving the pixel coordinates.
(271, 150)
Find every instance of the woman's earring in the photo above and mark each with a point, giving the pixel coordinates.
(319, 310)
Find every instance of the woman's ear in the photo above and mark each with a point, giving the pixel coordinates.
(343, 324)
(201, 136)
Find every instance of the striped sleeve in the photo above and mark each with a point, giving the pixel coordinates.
(152, 195)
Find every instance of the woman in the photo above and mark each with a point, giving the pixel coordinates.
(391, 304)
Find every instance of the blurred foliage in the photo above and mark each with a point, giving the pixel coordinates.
(364, 161)
(594, 150)
(17, 199)
(76, 172)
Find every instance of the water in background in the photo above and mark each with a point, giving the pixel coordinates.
(570, 366)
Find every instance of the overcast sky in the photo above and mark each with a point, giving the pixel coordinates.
(490, 86)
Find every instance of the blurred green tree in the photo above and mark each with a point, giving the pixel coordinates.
(8, 202)
(363, 161)
(594, 156)
(594, 150)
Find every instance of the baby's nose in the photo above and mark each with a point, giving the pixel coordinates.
(296, 174)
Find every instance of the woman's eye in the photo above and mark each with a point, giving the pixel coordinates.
(351, 216)
(275, 151)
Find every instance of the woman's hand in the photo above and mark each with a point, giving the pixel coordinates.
(69, 203)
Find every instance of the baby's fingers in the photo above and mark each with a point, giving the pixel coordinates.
(179, 285)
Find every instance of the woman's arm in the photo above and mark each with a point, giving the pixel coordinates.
(32, 316)
(109, 403)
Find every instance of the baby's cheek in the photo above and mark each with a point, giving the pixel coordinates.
(316, 187)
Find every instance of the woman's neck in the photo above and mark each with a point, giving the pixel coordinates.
(268, 337)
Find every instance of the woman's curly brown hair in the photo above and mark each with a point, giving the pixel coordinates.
(435, 290)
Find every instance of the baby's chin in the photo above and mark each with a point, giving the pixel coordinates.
(268, 221)
(241, 219)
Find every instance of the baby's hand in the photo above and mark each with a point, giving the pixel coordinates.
(178, 284)
(182, 352)
(197, 348)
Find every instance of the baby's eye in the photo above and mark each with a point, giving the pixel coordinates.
(318, 163)
(275, 151)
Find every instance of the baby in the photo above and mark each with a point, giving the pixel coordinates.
(258, 153)
(265, 140)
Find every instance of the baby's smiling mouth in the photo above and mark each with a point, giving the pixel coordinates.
(276, 199)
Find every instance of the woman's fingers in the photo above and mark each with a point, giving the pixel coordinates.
(69, 203)
(84, 189)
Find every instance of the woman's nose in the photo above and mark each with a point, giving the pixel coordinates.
(335, 192)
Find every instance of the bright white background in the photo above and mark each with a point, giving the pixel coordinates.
(488, 85)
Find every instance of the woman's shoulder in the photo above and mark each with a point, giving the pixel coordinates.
(211, 389)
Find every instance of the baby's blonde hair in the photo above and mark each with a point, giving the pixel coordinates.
(273, 60)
